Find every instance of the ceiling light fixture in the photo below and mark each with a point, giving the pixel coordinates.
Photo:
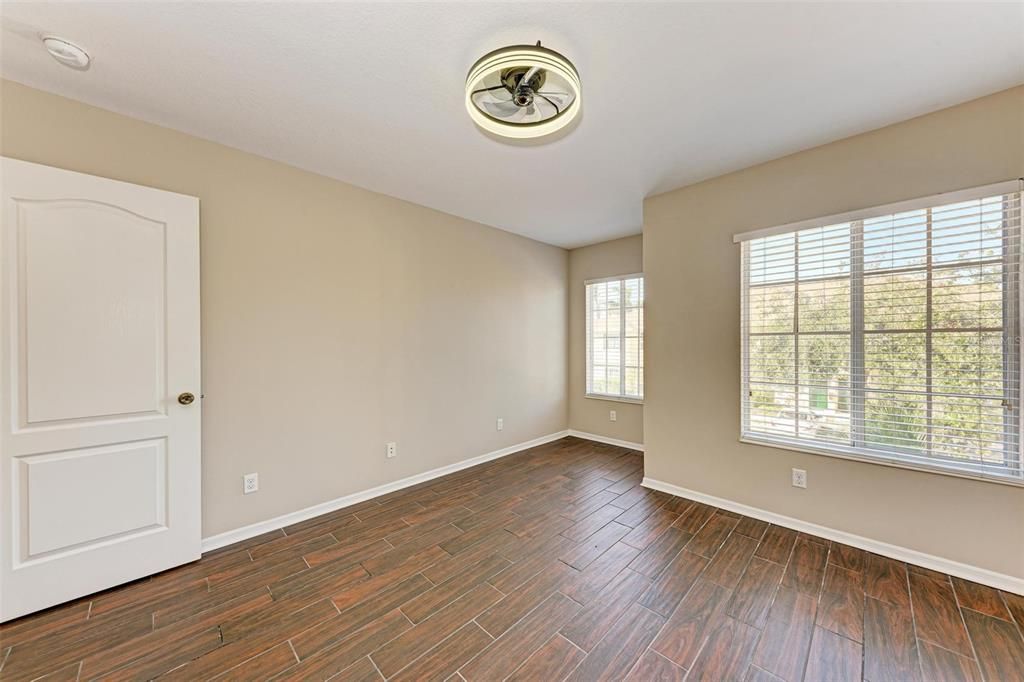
(66, 52)
(523, 91)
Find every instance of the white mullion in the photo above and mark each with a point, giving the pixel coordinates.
(929, 400)
(796, 335)
(622, 338)
(857, 363)
(745, 390)
(590, 339)
(1011, 231)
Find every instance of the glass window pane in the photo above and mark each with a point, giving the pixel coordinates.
(896, 301)
(772, 359)
(614, 292)
(633, 322)
(633, 292)
(613, 323)
(971, 297)
(612, 379)
(771, 309)
(967, 231)
(632, 352)
(825, 305)
(632, 381)
(896, 241)
(895, 361)
(613, 351)
(967, 428)
(773, 410)
(968, 362)
(824, 252)
(897, 421)
(771, 259)
(824, 407)
(825, 360)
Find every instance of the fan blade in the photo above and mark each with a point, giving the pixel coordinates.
(496, 87)
(558, 109)
(560, 99)
(500, 109)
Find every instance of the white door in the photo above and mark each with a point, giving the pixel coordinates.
(99, 345)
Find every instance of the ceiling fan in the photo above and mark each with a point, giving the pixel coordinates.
(523, 91)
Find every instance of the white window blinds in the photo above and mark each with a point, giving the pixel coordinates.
(889, 334)
(615, 337)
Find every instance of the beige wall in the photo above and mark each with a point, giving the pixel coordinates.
(691, 418)
(590, 415)
(334, 319)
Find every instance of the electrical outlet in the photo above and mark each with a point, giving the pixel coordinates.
(392, 450)
(612, 416)
(250, 483)
(799, 478)
(501, 423)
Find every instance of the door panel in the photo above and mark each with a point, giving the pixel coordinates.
(110, 264)
(99, 332)
(114, 490)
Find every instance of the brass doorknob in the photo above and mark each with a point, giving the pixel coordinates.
(186, 398)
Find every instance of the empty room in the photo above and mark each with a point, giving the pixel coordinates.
(540, 341)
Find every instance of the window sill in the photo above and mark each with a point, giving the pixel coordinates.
(614, 398)
(882, 461)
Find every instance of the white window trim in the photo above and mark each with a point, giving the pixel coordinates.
(894, 462)
(968, 471)
(612, 397)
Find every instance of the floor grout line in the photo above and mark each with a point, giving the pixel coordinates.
(1013, 617)
(913, 622)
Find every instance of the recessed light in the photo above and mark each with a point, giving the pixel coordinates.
(66, 52)
(523, 91)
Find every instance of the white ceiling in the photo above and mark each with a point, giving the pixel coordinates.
(372, 93)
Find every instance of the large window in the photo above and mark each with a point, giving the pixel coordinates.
(615, 337)
(889, 334)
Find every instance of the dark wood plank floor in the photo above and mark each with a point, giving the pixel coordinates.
(551, 564)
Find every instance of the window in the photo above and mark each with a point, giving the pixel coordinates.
(889, 334)
(615, 337)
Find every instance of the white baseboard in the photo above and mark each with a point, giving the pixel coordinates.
(250, 531)
(979, 575)
(605, 439)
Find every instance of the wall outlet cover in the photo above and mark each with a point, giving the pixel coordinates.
(250, 483)
(799, 478)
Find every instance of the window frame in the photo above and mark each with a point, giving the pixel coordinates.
(620, 397)
(1013, 296)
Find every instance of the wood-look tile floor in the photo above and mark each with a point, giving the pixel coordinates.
(551, 564)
